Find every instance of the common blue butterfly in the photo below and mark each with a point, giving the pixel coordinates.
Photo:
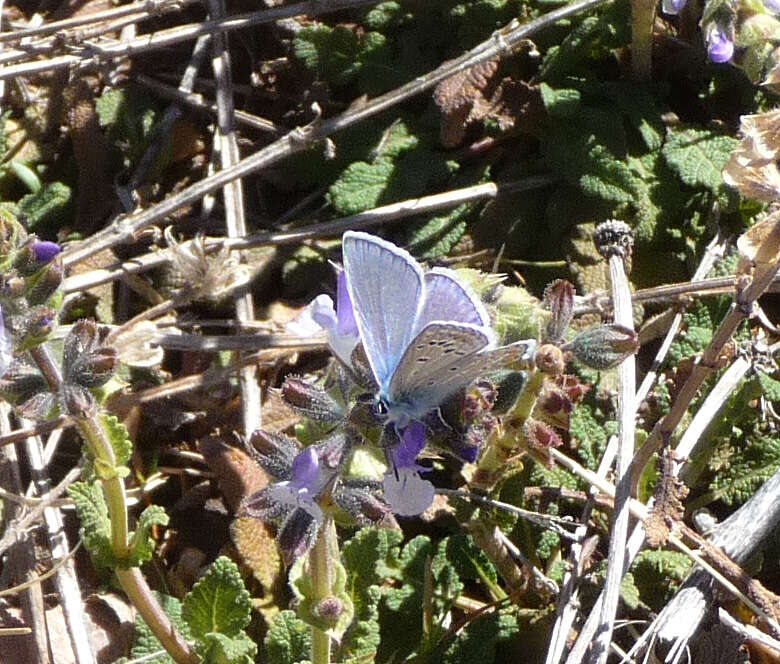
(425, 334)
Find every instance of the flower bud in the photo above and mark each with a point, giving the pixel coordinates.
(45, 251)
(549, 360)
(76, 400)
(559, 297)
(275, 452)
(41, 286)
(21, 382)
(97, 367)
(38, 407)
(359, 499)
(36, 326)
(329, 609)
(603, 347)
(311, 401)
(13, 286)
(540, 435)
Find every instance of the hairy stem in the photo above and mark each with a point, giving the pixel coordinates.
(133, 582)
(320, 570)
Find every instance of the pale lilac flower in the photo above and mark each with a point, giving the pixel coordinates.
(720, 45)
(772, 6)
(338, 322)
(406, 492)
(673, 6)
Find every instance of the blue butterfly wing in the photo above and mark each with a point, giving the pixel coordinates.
(448, 299)
(385, 285)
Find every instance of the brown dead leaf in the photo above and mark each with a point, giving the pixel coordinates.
(237, 473)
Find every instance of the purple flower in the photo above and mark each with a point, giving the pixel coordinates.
(673, 6)
(405, 491)
(338, 322)
(44, 251)
(720, 46)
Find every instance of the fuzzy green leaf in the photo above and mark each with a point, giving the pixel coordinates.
(50, 204)
(476, 643)
(141, 542)
(95, 528)
(743, 469)
(218, 602)
(146, 642)
(361, 186)
(698, 157)
(288, 639)
(658, 574)
(769, 386)
(119, 437)
(221, 649)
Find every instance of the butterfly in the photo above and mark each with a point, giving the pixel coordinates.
(425, 334)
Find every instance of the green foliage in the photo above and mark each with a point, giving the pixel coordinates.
(588, 431)
(141, 542)
(120, 438)
(769, 386)
(131, 116)
(95, 527)
(698, 157)
(478, 641)
(404, 166)
(213, 615)
(50, 205)
(218, 602)
(698, 328)
(288, 639)
(743, 468)
(146, 642)
(658, 574)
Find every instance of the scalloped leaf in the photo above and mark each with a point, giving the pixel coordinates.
(218, 602)
(95, 528)
(288, 639)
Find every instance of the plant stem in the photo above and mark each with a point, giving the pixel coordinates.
(642, 19)
(133, 582)
(320, 571)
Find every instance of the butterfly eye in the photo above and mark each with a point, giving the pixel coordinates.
(381, 407)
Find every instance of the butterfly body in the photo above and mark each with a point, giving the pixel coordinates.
(425, 334)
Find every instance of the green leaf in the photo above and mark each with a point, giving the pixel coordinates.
(588, 433)
(50, 204)
(658, 574)
(698, 157)
(141, 542)
(361, 186)
(371, 556)
(288, 639)
(146, 642)
(120, 438)
(744, 468)
(221, 649)
(218, 602)
(769, 386)
(95, 528)
(476, 643)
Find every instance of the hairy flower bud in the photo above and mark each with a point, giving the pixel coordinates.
(604, 346)
(275, 452)
(549, 360)
(35, 326)
(41, 286)
(329, 609)
(311, 401)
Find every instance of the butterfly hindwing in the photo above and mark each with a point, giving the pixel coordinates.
(385, 285)
(438, 350)
(437, 385)
(447, 299)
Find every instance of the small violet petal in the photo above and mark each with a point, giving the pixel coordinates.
(412, 443)
(720, 47)
(306, 470)
(345, 315)
(673, 6)
(772, 6)
(44, 251)
(406, 492)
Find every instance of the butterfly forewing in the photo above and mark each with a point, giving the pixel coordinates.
(386, 288)
(447, 299)
(439, 350)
